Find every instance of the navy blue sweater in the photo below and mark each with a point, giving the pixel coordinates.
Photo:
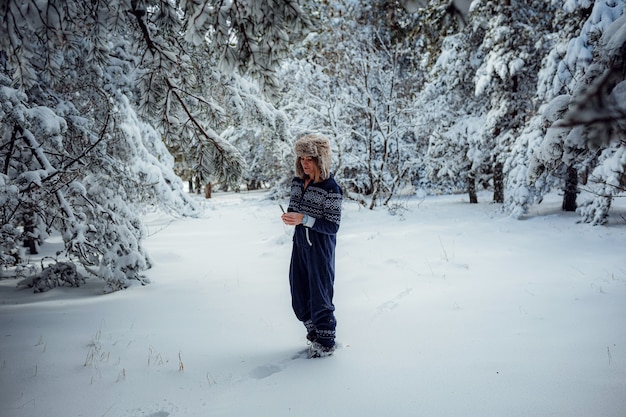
(320, 200)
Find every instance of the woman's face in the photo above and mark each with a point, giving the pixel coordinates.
(309, 166)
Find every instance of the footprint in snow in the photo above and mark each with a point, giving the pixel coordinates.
(394, 302)
(265, 371)
(269, 369)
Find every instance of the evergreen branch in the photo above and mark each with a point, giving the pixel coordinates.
(73, 161)
(7, 161)
(191, 118)
(598, 118)
(139, 15)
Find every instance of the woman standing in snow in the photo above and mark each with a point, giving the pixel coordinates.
(315, 211)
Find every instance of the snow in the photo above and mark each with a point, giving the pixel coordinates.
(571, 6)
(614, 38)
(445, 309)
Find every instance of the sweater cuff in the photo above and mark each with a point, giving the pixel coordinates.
(308, 221)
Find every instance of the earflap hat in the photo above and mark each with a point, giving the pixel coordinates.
(316, 146)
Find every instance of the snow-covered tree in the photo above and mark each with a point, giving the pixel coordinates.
(528, 178)
(451, 117)
(354, 79)
(65, 179)
(598, 119)
(572, 142)
(511, 51)
(89, 94)
(260, 132)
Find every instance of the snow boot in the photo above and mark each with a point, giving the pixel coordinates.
(317, 350)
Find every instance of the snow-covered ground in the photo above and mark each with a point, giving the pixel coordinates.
(444, 310)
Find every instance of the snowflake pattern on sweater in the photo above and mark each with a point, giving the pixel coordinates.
(320, 200)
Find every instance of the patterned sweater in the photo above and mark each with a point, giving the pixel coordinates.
(321, 200)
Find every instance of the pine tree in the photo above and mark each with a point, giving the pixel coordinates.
(90, 93)
(451, 116)
(577, 140)
(512, 49)
(598, 116)
(531, 172)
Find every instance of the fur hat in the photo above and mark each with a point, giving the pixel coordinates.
(316, 146)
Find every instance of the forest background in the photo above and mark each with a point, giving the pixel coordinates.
(106, 107)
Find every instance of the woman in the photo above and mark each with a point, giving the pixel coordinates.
(315, 211)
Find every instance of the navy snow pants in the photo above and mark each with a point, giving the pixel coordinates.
(311, 278)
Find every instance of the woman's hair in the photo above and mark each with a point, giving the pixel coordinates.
(316, 146)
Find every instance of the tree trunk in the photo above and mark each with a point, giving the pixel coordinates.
(498, 183)
(471, 189)
(571, 190)
(30, 241)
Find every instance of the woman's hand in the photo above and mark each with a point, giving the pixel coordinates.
(292, 218)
